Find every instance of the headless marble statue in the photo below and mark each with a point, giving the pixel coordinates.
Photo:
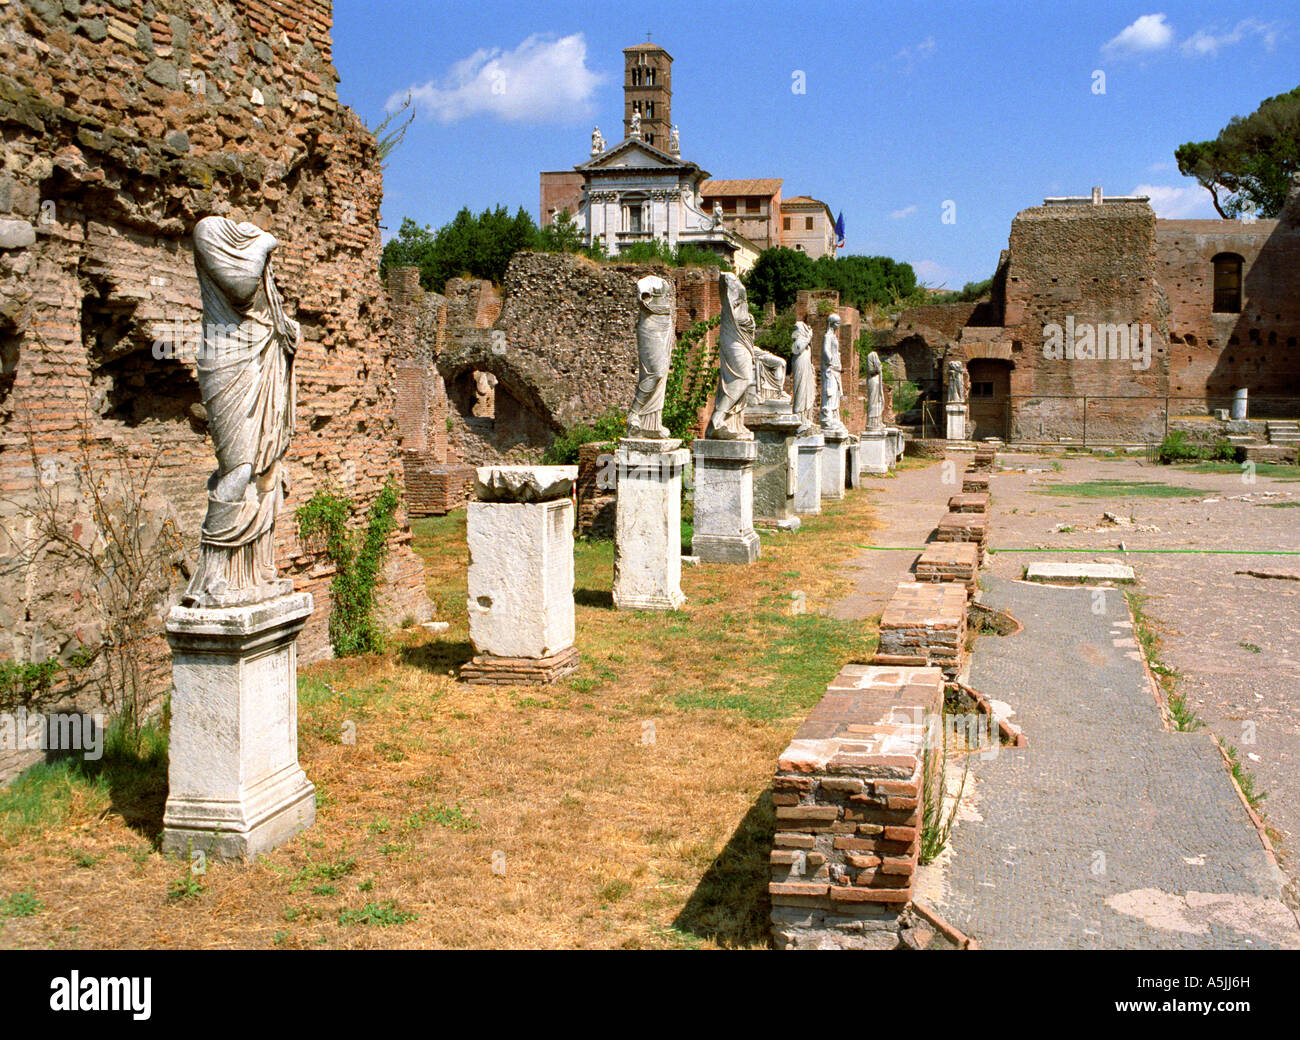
(875, 393)
(804, 389)
(654, 351)
(735, 362)
(832, 390)
(246, 379)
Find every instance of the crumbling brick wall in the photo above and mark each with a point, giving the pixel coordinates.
(124, 122)
(563, 348)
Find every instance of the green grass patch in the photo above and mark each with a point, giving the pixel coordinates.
(1262, 469)
(1120, 489)
(20, 904)
(381, 915)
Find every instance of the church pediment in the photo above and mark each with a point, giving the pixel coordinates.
(632, 153)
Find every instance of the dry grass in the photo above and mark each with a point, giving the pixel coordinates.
(607, 840)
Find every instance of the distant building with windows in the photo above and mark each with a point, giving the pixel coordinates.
(807, 225)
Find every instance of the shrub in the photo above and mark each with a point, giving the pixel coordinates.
(563, 451)
(357, 558)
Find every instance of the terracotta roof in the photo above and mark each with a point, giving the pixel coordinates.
(802, 200)
(646, 47)
(761, 186)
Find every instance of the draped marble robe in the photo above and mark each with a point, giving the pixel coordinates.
(875, 393)
(654, 354)
(832, 388)
(735, 362)
(804, 390)
(245, 373)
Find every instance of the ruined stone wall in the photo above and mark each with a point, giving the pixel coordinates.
(1213, 354)
(1096, 264)
(124, 122)
(563, 348)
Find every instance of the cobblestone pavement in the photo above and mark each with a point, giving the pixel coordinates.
(1234, 637)
(1108, 831)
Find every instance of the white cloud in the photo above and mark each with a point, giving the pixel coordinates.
(932, 274)
(543, 80)
(899, 214)
(1181, 202)
(909, 56)
(1205, 42)
(1159, 167)
(1149, 33)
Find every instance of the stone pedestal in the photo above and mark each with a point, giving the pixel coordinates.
(808, 476)
(834, 463)
(775, 471)
(877, 452)
(895, 438)
(648, 527)
(520, 536)
(724, 501)
(235, 788)
(956, 415)
(853, 463)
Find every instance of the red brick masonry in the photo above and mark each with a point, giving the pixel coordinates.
(848, 796)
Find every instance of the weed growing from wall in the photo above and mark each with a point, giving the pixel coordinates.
(358, 557)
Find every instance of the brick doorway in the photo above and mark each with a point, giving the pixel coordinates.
(990, 397)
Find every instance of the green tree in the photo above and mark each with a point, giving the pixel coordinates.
(563, 236)
(479, 246)
(1251, 161)
(777, 277)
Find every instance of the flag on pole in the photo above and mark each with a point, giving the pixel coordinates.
(839, 230)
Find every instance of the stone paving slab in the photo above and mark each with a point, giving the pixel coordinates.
(1079, 573)
(1107, 831)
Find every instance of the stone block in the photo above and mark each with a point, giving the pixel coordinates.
(648, 525)
(235, 788)
(969, 503)
(955, 416)
(775, 469)
(877, 456)
(724, 501)
(808, 478)
(1079, 573)
(521, 578)
(834, 462)
(949, 561)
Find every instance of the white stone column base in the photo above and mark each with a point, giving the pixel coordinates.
(648, 525)
(235, 788)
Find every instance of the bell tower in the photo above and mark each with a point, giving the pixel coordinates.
(647, 88)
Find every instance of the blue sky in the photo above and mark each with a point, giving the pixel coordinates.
(907, 106)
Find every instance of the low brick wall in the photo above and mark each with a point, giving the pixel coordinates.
(924, 623)
(848, 796)
(969, 503)
(949, 561)
(597, 506)
(964, 527)
(433, 489)
(983, 460)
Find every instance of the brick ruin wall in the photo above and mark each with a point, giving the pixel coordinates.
(560, 342)
(124, 122)
(1211, 355)
(1116, 263)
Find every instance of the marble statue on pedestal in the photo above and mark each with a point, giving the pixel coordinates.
(597, 141)
(875, 393)
(956, 382)
(735, 362)
(832, 389)
(654, 351)
(674, 141)
(804, 390)
(246, 378)
(636, 125)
